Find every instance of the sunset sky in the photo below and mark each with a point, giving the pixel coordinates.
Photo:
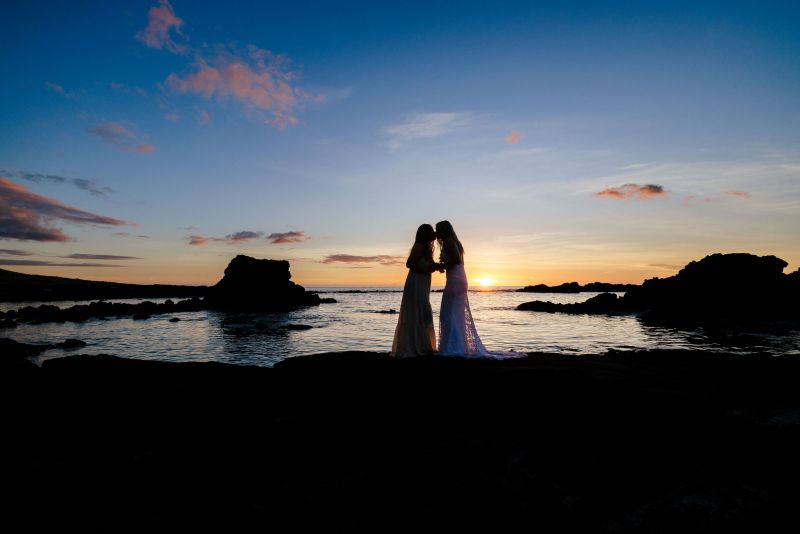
(153, 141)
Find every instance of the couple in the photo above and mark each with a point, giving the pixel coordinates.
(414, 335)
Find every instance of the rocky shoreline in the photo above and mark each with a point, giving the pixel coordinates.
(630, 441)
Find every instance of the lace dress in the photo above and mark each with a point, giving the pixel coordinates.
(457, 333)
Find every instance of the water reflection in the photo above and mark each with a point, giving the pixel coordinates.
(355, 324)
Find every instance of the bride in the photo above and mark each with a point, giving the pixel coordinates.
(457, 333)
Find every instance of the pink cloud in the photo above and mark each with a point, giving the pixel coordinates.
(633, 191)
(513, 138)
(27, 216)
(161, 19)
(295, 236)
(120, 136)
(244, 235)
(738, 194)
(260, 81)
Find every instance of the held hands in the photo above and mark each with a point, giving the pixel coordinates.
(438, 267)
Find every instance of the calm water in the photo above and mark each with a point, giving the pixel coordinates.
(354, 323)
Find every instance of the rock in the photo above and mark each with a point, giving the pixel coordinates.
(297, 327)
(720, 288)
(15, 349)
(328, 300)
(140, 316)
(71, 344)
(258, 285)
(175, 319)
(387, 311)
(575, 287)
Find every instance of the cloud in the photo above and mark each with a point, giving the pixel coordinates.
(15, 252)
(89, 186)
(349, 258)
(668, 266)
(99, 257)
(633, 191)
(257, 79)
(161, 20)
(738, 194)
(55, 88)
(200, 240)
(513, 138)
(424, 125)
(27, 216)
(121, 137)
(295, 236)
(37, 263)
(244, 235)
(172, 117)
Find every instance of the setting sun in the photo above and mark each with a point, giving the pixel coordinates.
(484, 282)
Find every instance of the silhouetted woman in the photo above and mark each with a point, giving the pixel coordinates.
(414, 334)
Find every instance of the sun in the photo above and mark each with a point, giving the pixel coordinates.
(484, 282)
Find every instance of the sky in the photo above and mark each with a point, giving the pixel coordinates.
(151, 142)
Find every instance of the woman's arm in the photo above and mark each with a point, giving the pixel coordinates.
(417, 261)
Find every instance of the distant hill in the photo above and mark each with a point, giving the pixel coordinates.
(19, 287)
(575, 287)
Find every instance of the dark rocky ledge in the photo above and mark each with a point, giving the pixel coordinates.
(665, 441)
(575, 287)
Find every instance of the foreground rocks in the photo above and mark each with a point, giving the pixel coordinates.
(665, 441)
(740, 288)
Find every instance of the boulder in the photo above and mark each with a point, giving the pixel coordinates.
(258, 285)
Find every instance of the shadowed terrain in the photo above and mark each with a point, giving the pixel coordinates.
(665, 440)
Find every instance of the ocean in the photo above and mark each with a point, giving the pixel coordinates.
(357, 322)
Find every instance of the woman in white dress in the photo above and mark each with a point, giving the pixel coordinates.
(457, 333)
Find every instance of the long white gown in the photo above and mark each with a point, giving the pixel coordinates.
(457, 333)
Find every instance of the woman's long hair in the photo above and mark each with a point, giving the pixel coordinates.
(425, 237)
(444, 230)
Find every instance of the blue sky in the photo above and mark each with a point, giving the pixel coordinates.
(564, 141)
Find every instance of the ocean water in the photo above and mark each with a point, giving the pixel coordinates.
(355, 323)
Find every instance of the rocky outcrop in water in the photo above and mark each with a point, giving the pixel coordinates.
(258, 285)
(720, 287)
(248, 285)
(575, 287)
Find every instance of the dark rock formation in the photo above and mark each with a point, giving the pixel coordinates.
(666, 441)
(258, 285)
(20, 287)
(602, 303)
(719, 288)
(328, 300)
(297, 327)
(575, 287)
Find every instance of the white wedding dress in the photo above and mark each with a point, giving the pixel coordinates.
(457, 333)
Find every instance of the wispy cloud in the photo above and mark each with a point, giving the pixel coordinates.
(349, 258)
(121, 137)
(27, 216)
(425, 125)
(739, 194)
(161, 22)
(38, 263)
(90, 186)
(295, 236)
(244, 235)
(99, 257)
(15, 252)
(633, 191)
(513, 138)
